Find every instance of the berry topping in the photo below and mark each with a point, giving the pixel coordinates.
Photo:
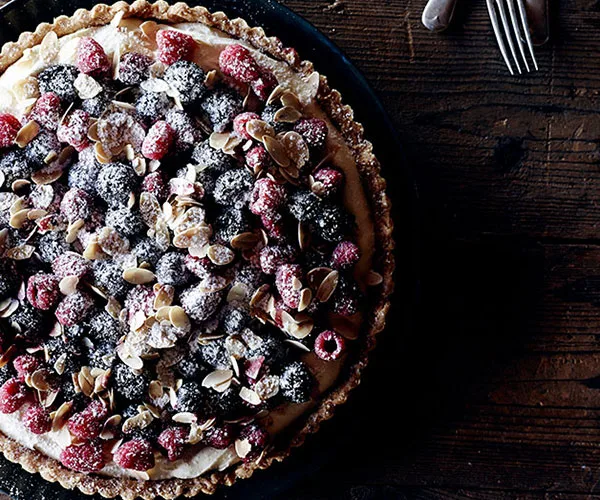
(115, 183)
(330, 182)
(88, 423)
(25, 364)
(42, 291)
(159, 141)
(237, 62)
(296, 382)
(313, 130)
(136, 454)
(288, 282)
(187, 78)
(108, 276)
(126, 222)
(264, 85)
(174, 46)
(239, 124)
(190, 397)
(153, 106)
(134, 68)
(233, 188)
(87, 457)
(76, 204)
(345, 255)
(13, 395)
(258, 439)
(71, 264)
(74, 130)
(173, 441)
(220, 107)
(74, 308)
(9, 126)
(329, 345)
(91, 58)
(155, 183)
(220, 437)
(274, 256)
(14, 166)
(267, 197)
(346, 297)
(171, 270)
(47, 111)
(59, 79)
(37, 420)
(128, 385)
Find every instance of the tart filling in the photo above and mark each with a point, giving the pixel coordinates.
(185, 245)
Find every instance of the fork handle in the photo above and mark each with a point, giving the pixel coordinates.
(438, 14)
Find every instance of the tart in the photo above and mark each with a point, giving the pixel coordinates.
(196, 250)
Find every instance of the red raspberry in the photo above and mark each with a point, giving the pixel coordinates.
(274, 226)
(331, 180)
(159, 140)
(76, 204)
(136, 454)
(313, 130)
(74, 130)
(174, 46)
(239, 124)
(25, 364)
(252, 368)
(155, 183)
(88, 423)
(237, 62)
(173, 441)
(37, 419)
(74, 308)
(13, 395)
(42, 291)
(221, 437)
(258, 439)
(329, 345)
(9, 127)
(345, 255)
(288, 282)
(91, 58)
(200, 266)
(87, 457)
(71, 264)
(267, 197)
(47, 111)
(258, 159)
(264, 85)
(273, 256)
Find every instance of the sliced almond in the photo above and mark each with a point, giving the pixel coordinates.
(287, 114)
(242, 447)
(27, 134)
(245, 241)
(277, 151)
(218, 140)
(22, 252)
(41, 177)
(289, 99)
(259, 129)
(36, 214)
(18, 219)
(179, 318)
(60, 416)
(219, 380)
(164, 295)
(220, 255)
(297, 344)
(317, 275)
(185, 418)
(327, 287)
(7, 355)
(68, 285)
(101, 154)
(149, 28)
(305, 299)
(373, 279)
(49, 48)
(39, 380)
(73, 230)
(93, 132)
(303, 237)
(155, 390)
(250, 396)
(86, 86)
(19, 185)
(259, 295)
(139, 421)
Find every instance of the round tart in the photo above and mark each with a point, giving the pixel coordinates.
(196, 250)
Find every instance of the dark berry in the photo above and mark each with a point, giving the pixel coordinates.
(296, 382)
(9, 127)
(173, 440)
(226, 404)
(187, 78)
(95, 106)
(237, 62)
(190, 397)
(37, 420)
(233, 320)
(273, 256)
(104, 328)
(74, 308)
(9, 279)
(186, 131)
(134, 68)
(14, 166)
(346, 297)
(268, 115)
(39, 149)
(199, 305)
(271, 346)
(171, 270)
(267, 197)
(229, 224)
(28, 321)
(174, 46)
(159, 141)
(215, 354)
(129, 385)
(345, 255)
(76, 204)
(108, 276)
(305, 206)
(257, 437)
(199, 266)
(91, 58)
(126, 222)
(47, 111)
(147, 250)
(211, 159)
(233, 188)
(220, 437)
(59, 79)
(190, 368)
(74, 130)
(330, 179)
(52, 245)
(329, 345)
(115, 183)
(313, 130)
(13, 395)
(42, 291)
(87, 457)
(84, 173)
(71, 264)
(153, 106)
(221, 106)
(331, 223)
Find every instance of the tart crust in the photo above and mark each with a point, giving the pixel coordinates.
(369, 168)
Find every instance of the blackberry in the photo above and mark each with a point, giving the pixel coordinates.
(28, 321)
(304, 205)
(225, 404)
(115, 183)
(44, 144)
(57, 347)
(311, 259)
(229, 224)
(75, 333)
(198, 305)
(14, 166)
(186, 132)
(153, 106)
(52, 245)
(268, 115)
(346, 298)
(6, 373)
(59, 79)
(272, 347)
(215, 354)
(249, 275)
(188, 79)
(171, 270)
(190, 397)
(9, 279)
(97, 105)
(147, 250)
(134, 68)
(296, 382)
(102, 356)
(211, 159)
(84, 173)
(129, 385)
(233, 320)
(149, 433)
(332, 223)
(233, 188)
(221, 107)
(109, 277)
(191, 368)
(127, 222)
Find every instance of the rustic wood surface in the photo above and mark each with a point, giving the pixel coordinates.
(496, 391)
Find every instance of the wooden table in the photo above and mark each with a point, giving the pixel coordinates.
(496, 391)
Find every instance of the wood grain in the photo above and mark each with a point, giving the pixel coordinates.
(495, 392)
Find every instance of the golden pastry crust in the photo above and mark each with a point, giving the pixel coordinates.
(342, 117)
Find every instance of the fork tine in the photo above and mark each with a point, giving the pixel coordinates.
(526, 30)
(515, 24)
(507, 33)
(497, 32)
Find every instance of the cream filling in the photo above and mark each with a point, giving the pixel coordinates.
(126, 39)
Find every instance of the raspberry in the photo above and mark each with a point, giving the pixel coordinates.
(287, 281)
(274, 226)
(174, 46)
(47, 111)
(187, 78)
(329, 345)
(25, 364)
(158, 141)
(13, 395)
(74, 308)
(87, 457)
(239, 124)
(37, 419)
(264, 85)
(258, 159)
(220, 437)
(331, 181)
(74, 130)
(313, 130)
(136, 454)
(42, 291)
(173, 441)
(346, 297)
(9, 126)
(267, 197)
(134, 68)
(76, 204)
(140, 298)
(155, 183)
(271, 257)
(88, 423)
(200, 266)
(296, 382)
(258, 439)
(71, 264)
(59, 79)
(345, 255)
(237, 62)
(91, 58)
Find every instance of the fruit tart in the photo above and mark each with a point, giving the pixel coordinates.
(196, 250)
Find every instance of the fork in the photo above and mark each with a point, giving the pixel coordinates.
(509, 34)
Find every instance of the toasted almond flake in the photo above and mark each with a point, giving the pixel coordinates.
(149, 209)
(47, 399)
(164, 296)
(217, 140)
(172, 397)
(185, 418)
(289, 99)
(373, 278)
(316, 276)
(19, 184)
(220, 255)
(297, 344)
(149, 28)
(197, 236)
(73, 230)
(101, 382)
(140, 166)
(116, 20)
(39, 380)
(22, 252)
(18, 219)
(250, 396)
(303, 237)
(139, 421)
(93, 251)
(7, 355)
(93, 132)
(50, 157)
(113, 307)
(314, 82)
(162, 314)
(27, 133)
(242, 447)
(305, 299)
(60, 416)
(49, 48)
(211, 79)
(259, 295)
(68, 285)
(245, 241)
(36, 213)
(259, 129)
(296, 149)
(327, 287)
(213, 284)
(275, 94)
(219, 380)
(2, 178)
(179, 318)
(155, 390)
(287, 114)
(42, 178)
(155, 85)
(101, 154)
(237, 293)
(277, 151)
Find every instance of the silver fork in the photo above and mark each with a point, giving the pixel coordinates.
(517, 33)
